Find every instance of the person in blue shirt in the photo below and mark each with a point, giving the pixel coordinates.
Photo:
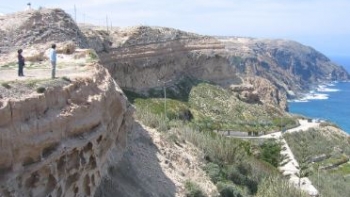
(20, 63)
(53, 60)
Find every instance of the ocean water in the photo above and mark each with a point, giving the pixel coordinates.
(327, 102)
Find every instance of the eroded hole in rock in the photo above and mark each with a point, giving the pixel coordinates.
(99, 139)
(50, 185)
(92, 162)
(19, 181)
(93, 180)
(4, 170)
(72, 179)
(81, 134)
(76, 190)
(59, 192)
(73, 160)
(88, 147)
(82, 158)
(87, 185)
(61, 166)
(6, 193)
(46, 110)
(49, 150)
(32, 180)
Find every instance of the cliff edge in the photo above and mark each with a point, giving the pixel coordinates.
(59, 142)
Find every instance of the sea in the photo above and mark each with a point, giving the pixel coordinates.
(329, 101)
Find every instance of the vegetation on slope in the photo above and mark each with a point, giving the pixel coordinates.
(238, 167)
(325, 153)
(210, 107)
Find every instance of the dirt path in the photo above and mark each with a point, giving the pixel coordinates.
(290, 165)
(38, 75)
(41, 73)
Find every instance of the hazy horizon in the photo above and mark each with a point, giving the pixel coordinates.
(319, 24)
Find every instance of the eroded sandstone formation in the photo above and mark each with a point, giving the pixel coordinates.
(58, 143)
(62, 142)
(143, 58)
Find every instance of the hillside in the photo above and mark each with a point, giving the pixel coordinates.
(143, 58)
(325, 153)
(139, 111)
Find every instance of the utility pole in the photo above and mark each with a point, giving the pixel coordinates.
(164, 92)
(75, 13)
(166, 116)
(107, 22)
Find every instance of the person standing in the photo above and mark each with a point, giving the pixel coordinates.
(53, 60)
(21, 63)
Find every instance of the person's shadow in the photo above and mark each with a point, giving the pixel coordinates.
(139, 173)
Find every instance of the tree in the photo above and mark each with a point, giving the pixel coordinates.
(304, 161)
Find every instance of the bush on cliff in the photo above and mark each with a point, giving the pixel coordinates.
(193, 190)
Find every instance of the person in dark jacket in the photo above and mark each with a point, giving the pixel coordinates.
(20, 63)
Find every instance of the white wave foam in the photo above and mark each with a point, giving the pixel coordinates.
(316, 97)
(324, 89)
(300, 100)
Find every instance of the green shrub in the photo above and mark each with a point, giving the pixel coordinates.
(6, 85)
(228, 190)
(66, 79)
(244, 168)
(329, 184)
(133, 95)
(236, 177)
(270, 152)
(92, 55)
(325, 124)
(275, 186)
(40, 89)
(252, 186)
(214, 172)
(218, 148)
(193, 190)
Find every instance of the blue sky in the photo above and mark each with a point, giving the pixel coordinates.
(322, 24)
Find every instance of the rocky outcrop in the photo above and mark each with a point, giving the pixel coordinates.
(33, 28)
(259, 90)
(287, 64)
(156, 165)
(142, 58)
(58, 143)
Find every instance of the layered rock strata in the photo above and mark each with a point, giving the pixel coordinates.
(143, 58)
(58, 143)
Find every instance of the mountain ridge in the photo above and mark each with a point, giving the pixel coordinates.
(147, 61)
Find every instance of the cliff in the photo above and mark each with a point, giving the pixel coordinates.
(32, 28)
(58, 143)
(143, 58)
(68, 137)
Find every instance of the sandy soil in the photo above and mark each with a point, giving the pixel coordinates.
(155, 166)
(38, 74)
